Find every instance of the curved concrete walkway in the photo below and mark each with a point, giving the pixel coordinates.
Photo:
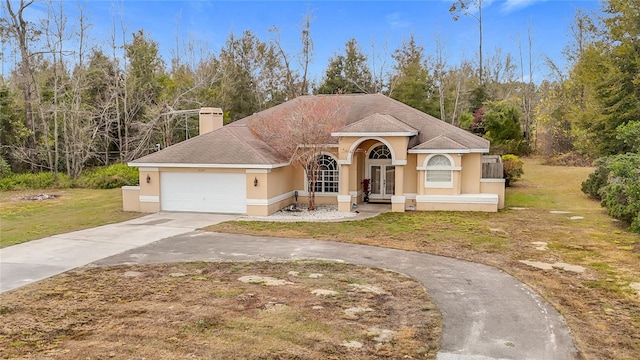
(487, 314)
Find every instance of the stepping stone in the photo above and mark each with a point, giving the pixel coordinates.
(352, 344)
(324, 292)
(381, 335)
(293, 273)
(264, 280)
(316, 276)
(576, 218)
(559, 212)
(352, 313)
(368, 289)
(177, 274)
(540, 245)
(568, 267)
(538, 264)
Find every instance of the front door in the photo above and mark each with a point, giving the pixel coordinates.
(383, 181)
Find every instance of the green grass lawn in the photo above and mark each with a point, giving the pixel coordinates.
(74, 209)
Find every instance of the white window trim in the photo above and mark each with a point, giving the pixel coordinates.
(439, 184)
(338, 168)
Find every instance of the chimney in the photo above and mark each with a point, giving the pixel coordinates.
(209, 119)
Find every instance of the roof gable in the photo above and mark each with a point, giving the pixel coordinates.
(377, 124)
(440, 142)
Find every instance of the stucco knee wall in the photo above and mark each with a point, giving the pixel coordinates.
(494, 186)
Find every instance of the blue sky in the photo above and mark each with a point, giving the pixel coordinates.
(381, 24)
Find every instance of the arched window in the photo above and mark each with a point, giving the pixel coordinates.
(327, 175)
(439, 172)
(380, 152)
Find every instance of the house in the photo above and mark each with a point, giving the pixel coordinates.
(413, 161)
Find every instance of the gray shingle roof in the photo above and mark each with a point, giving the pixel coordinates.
(440, 142)
(235, 144)
(378, 123)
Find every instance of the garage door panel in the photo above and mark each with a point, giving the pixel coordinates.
(203, 192)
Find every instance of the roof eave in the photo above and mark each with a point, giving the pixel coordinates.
(361, 134)
(209, 166)
(447, 151)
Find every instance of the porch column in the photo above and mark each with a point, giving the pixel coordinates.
(344, 199)
(398, 198)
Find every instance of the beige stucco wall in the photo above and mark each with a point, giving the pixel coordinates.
(494, 186)
(471, 173)
(131, 198)
(149, 191)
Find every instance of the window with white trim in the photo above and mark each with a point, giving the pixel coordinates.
(439, 172)
(327, 175)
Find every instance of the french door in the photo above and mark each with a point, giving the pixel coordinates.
(383, 181)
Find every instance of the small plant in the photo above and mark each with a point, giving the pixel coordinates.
(366, 189)
(512, 167)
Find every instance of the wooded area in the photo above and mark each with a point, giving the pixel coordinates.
(65, 110)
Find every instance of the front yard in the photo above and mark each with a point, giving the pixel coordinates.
(600, 305)
(547, 220)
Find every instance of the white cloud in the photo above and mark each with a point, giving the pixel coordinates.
(395, 21)
(510, 6)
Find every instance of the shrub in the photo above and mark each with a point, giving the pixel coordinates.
(570, 158)
(616, 182)
(109, 177)
(41, 180)
(5, 169)
(512, 167)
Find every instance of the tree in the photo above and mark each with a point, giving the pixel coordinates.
(348, 73)
(466, 8)
(23, 34)
(411, 82)
(502, 124)
(301, 132)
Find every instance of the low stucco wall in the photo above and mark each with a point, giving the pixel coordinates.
(131, 198)
(455, 207)
(464, 202)
(494, 186)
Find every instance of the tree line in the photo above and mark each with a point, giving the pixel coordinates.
(70, 102)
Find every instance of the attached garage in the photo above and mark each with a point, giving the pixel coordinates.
(203, 192)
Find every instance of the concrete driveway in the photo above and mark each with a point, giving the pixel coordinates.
(487, 314)
(39, 259)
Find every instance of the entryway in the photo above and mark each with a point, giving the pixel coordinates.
(381, 172)
(382, 181)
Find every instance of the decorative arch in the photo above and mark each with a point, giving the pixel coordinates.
(355, 145)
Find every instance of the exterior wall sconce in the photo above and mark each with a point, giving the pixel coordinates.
(255, 181)
(148, 179)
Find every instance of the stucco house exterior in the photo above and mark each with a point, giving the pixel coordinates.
(412, 161)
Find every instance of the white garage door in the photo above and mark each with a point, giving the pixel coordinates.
(203, 192)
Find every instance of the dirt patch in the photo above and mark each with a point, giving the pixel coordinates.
(39, 197)
(145, 312)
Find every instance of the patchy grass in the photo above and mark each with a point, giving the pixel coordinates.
(600, 307)
(74, 209)
(202, 310)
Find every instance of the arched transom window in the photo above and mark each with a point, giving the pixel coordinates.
(439, 172)
(380, 152)
(327, 175)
